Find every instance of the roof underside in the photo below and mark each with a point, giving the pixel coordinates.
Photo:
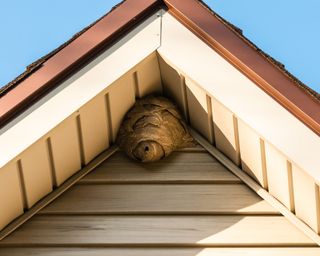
(76, 95)
(36, 64)
(269, 74)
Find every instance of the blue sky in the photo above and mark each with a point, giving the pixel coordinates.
(288, 30)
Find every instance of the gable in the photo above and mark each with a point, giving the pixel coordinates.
(217, 98)
(182, 205)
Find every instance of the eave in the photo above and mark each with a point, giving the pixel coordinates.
(233, 47)
(243, 55)
(73, 56)
(58, 99)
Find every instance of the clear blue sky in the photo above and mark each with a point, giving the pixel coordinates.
(289, 30)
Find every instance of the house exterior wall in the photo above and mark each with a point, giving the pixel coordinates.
(276, 145)
(77, 121)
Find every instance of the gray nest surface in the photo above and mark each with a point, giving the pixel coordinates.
(152, 129)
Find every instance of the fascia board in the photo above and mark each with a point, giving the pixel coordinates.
(74, 55)
(68, 97)
(262, 69)
(196, 60)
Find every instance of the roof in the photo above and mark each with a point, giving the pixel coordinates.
(30, 69)
(44, 74)
(269, 74)
(218, 87)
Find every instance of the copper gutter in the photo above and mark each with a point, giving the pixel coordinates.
(245, 58)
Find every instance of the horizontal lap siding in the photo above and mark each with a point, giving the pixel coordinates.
(160, 251)
(161, 230)
(153, 208)
(177, 168)
(74, 142)
(256, 156)
(189, 182)
(160, 198)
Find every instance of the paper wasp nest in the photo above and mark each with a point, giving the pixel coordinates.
(152, 129)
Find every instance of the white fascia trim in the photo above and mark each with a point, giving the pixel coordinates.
(66, 99)
(192, 57)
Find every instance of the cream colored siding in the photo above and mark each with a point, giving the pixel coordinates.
(148, 79)
(94, 127)
(237, 140)
(225, 131)
(77, 140)
(82, 87)
(199, 109)
(279, 177)
(121, 98)
(246, 121)
(252, 154)
(195, 60)
(36, 172)
(174, 86)
(125, 205)
(65, 146)
(306, 198)
(11, 198)
(80, 119)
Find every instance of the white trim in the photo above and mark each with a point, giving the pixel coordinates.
(57, 192)
(79, 89)
(195, 59)
(256, 187)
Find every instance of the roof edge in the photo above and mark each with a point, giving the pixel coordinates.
(31, 68)
(49, 71)
(259, 67)
(45, 74)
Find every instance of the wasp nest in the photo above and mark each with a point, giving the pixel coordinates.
(152, 129)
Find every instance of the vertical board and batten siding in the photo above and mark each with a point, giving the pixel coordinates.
(35, 170)
(94, 128)
(135, 84)
(191, 99)
(226, 131)
(252, 154)
(306, 198)
(65, 150)
(248, 125)
(199, 110)
(279, 176)
(174, 86)
(120, 98)
(79, 119)
(84, 85)
(244, 146)
(148, 79)
(73, 143)
(10, 191)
